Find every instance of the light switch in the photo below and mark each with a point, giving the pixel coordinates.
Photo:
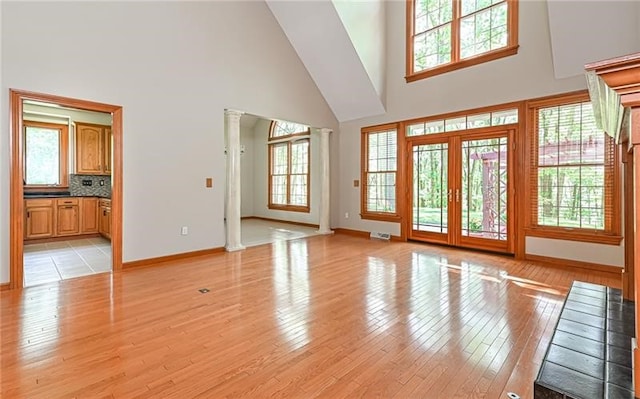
(356, 183)
(209, 182)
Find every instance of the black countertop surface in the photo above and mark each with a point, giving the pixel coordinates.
(62, 194)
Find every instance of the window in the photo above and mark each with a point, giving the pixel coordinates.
(380, 166)
(465, 122)
(574, 173)
(444, 35)
(289, 167)
(45, 155)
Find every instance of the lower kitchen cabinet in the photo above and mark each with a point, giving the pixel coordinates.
(39, 218)
(89, 216)
(105, 218)
(67, 217)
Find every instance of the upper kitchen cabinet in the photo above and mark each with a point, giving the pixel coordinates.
(93, 149)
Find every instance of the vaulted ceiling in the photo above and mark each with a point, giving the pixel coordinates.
(343, 43)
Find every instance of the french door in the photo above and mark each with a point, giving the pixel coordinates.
(460, 189)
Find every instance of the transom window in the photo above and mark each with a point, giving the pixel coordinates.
(289, 167)
(45, 154)
(573, 171)
(281, 129)
(380, 166)
(464, 122)
(445, 35)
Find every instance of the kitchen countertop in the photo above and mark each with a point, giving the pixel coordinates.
(58, 195)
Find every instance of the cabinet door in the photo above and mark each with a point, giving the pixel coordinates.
(68, 218)
(89, 142)
(107, 146)
(105, 221)
(39, 222)
(89, 216)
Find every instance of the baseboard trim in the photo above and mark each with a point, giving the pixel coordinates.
(282, 221)
(62, 238)
(171, 258)
(5, 286)
(574, 264)
(360, 233)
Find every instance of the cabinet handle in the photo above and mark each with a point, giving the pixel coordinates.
(104, 213)
(28, 214)
(68, 207)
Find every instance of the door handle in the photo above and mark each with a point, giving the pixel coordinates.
(449, 195)
(457, 195)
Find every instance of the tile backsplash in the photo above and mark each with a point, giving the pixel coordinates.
(94, 190)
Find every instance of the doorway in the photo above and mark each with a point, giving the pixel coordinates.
(18, 176)
(460, 189)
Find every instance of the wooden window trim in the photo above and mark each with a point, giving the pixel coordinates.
(364, 153)
(63, 161)
(287, 207)
(611, 235)
(456, 63)
(272, 127)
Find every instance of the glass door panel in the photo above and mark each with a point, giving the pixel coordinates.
(484, 189)
(430, 189)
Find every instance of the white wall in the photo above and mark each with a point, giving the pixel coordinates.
(528, 74)
(174, 67)
(261, 178)
(366, 25)
(247, 170)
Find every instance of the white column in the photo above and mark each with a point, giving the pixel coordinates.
(325, 185)
(234, 241)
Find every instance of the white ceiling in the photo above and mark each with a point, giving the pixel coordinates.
(318, 35)
(587, 31)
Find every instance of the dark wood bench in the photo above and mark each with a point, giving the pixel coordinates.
(589, 356)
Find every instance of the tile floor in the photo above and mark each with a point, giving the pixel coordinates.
(61, 260)
(258, 232)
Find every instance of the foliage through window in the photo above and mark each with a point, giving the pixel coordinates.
(380, 163)
(45, 154)
(444, 35)
(282, 129)
(289, 175)
(573, 169)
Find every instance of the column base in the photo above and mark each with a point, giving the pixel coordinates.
(328, 231)
(233, 248)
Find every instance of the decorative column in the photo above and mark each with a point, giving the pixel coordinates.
(325, 185)
(234, 241)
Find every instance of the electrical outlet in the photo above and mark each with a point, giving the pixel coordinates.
(184, 231)
(346, 215)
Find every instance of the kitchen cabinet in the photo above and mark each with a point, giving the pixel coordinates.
(105, 218)
(38, 218)
(93, 149)
(67, 216)
(89, 215)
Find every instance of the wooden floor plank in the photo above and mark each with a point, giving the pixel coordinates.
(326, 316)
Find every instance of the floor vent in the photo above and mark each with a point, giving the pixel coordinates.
(380, 236)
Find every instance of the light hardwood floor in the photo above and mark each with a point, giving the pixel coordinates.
(325, 316)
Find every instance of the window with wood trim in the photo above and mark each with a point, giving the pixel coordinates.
(289, 175)
(283, 129)
(574, 173)
(380, 174)
(45, 155)
(445, 35)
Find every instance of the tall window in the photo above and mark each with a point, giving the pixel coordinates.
(444, 35)
(45, 154)
(574, 172)
(380, 173)
(289, 166)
